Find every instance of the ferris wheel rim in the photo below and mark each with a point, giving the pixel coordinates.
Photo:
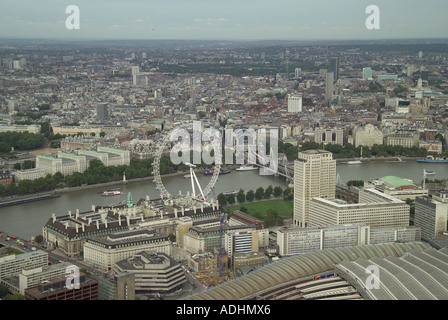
(156, 168)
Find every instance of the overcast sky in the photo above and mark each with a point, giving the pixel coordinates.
(224, 19)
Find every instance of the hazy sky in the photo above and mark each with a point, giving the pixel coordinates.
(224, 19)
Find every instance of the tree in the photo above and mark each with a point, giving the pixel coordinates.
(259, 193)
(38, 238)
(222, 199)
(250, 195)
(244, 209)
(172, 237)
(278, 191)
(268, 192)
(241, 197)
(231, 199)
(3, 291)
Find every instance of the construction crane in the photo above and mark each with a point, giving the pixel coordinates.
(220, 242)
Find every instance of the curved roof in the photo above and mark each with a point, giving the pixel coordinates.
(418, 275)
(298, 266)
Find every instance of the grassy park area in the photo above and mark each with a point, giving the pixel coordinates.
(284, 208)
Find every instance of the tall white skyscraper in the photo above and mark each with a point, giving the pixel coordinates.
(295, 103)
(297, 72)
(314, 176)
(367, 73)
(135, 69)
(329, 86)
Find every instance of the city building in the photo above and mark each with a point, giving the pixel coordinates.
(404, 139)
(240, 241)
(12, 265)
(5, 177)
(314, 176)
(375, 209)
(367, 136)
(29, 174)
(56, 289)
(335, 67)
(431, 215)
(240, 218)
(294, 103)
(367, 73)
(396, 187)
(120, 286)
(295, 240)
(104, 253)
(329, 136)
(329, 86)
(102, 112)
(154, 272)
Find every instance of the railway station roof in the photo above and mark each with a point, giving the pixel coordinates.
(299, 266)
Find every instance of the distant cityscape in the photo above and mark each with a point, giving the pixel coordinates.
(90, 118)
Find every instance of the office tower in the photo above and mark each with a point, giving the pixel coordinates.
(143, 55)
(295, 103)
(135, 70)
(297, 72)
(431, 215)
(367, 74)
(420, 54)
(314, 176)
(335, 67)
(102, 112)
(329, 136)
(13, 105)
(329, 86)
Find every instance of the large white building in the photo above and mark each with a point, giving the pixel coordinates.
(431, 215)
(295, 103)
(375, 209)
(295, 240)
(314, 176)
(367, 136)
(329, 136)
(104, 253)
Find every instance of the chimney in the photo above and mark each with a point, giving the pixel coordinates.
(54, 217)
(202, 207)
(148, 198)
(93, 207)
(183, 211)
(98, 224)
(69, 213)
(105, 223)
(89, 221)
(76, 227)
(128, 220)
(175, 213)
(194, 209)
(83, 228)
(119, 220)
(77, 213)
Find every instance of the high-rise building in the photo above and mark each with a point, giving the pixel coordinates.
(295, 103)
(297, 72)
(367, 73)
(431, 215)
(329, 136)
(135, 70)
(102, 112)
(335, 67)
(329, 82)
(314, 176)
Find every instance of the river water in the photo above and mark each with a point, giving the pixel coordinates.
(26, 220)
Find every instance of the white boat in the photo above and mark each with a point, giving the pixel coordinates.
(354, 162)
(111, 193)
(187, 176)
(430, 173)
(246, 168)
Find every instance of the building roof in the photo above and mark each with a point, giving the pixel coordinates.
(299, 266)
(396, 182)
(415, 276)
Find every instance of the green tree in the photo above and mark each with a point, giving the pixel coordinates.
(250, 195)
(39, 238)
(268, 192)
(3, 291)
(231, 199)
(259, 193)
(278, 191)
(241, 197)
(222, 199)
(244, 209)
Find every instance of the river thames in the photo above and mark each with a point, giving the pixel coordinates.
(26, 220)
